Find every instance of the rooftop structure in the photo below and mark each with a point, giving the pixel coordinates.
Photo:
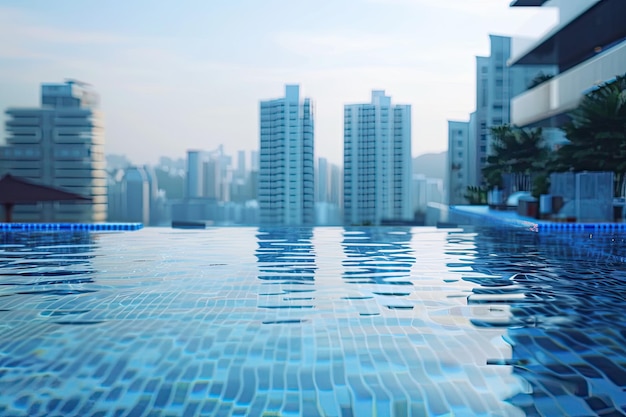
(60, 144)
(587, 46)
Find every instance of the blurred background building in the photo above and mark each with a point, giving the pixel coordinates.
(377, 162)
(59, 144)
(286, 191)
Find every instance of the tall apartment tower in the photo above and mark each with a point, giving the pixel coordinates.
(458, 170)
(60, 144)
(136, 197)
(377, 162)
(496, 85)
(286, 191)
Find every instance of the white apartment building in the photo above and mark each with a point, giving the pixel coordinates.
(60, 144)
(377, 162)
(286, 191)
(587, 46)
(327, 201)
(136, 195)
(458, 172)
(496, 85)
(209, 174)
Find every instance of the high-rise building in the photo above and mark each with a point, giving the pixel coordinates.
(194, 185)
(496, 84)
(377, 162)
(286, 191)
(587, 46)
(327, 201)
(458, 170)
(241, 165)
(59, 144)
(136, 195)
(209, 174)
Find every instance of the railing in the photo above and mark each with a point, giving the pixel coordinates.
(563, 92)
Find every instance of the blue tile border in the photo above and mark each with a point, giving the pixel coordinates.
(595, 227)
(90, 227)
(483, 215)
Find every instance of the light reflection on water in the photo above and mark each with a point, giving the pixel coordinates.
(311, 321)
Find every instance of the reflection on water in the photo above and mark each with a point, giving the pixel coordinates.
(565, 316)
(286, 264)
(286, 254)
(377, 256)
(373, 327)
(312, 321)
(45, 264)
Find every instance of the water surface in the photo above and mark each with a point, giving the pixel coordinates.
(317, 322)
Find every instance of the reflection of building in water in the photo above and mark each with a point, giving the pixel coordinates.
(47, 263)
(286, 254)
(563, 311)
(378, 255)
(286, 260)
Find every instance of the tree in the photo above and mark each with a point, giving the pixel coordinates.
(539, 79)
(514, 151)
(597, 133)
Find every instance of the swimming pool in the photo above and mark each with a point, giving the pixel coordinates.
(317, 322)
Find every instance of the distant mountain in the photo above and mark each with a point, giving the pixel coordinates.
(432, 165)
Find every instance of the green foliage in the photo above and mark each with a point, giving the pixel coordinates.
(514, 151)
(476, 195)
(539, 79)
(597, 133)
(541, 185)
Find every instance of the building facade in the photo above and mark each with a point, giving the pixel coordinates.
(496, 84)
(286, 191)
(587, 46)
(458, 178)
(60, 144)
(327, 201)
(136, 197)
(377, 162)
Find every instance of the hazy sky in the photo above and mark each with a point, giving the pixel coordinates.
(175, 75)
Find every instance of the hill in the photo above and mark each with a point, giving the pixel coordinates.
(432, 165)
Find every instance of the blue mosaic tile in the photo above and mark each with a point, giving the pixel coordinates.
(46, 227)
(326, 321)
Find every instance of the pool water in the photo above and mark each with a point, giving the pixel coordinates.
(314, 322)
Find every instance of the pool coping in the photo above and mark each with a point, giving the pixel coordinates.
(483, 214)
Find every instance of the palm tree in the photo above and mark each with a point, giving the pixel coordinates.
(597, 133)
(514, 151)
(539, 79)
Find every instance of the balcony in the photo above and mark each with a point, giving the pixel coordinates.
(582, 26)
(563, 92)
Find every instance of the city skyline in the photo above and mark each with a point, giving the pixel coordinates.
(177, 78)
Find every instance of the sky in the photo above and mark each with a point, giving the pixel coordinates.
(190, 74)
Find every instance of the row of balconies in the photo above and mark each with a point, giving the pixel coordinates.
(23, 121)
(563, 92)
